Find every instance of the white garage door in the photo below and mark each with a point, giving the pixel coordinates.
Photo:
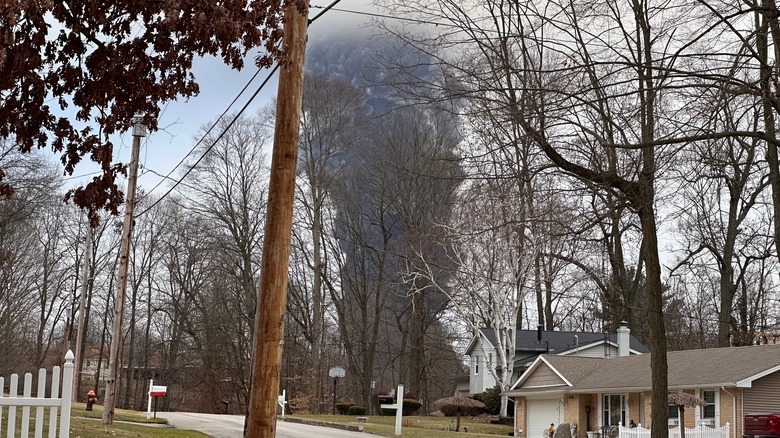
(541, 413)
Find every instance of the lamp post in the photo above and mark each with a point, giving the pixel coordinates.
(587, 418)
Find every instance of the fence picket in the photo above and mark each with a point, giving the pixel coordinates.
(2, 389)
(67, 395)
(701, 431)
(14, 392)
(55, 393)
(26, 408)
(39, 409)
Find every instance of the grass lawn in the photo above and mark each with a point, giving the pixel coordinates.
(79, 410)
(418, 427)
(88, 428)
(87, 424)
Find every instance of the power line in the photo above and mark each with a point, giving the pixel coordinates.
(324, 10)
(389, 17)
(216, 122)
(214, 143)
(67, 178)
(211, 128)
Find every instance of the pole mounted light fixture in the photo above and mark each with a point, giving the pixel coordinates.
(139, 129)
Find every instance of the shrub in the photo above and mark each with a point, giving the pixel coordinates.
(343, 407)
(356, 410)
(492, 400)
(452, 411)
(410, 406)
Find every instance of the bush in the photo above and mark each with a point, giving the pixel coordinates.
(356, 410)
(343, 407)
(492, 400)
(452, 411)
(410, 406)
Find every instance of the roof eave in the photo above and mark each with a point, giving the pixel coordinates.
(748, 381)
(473, 342)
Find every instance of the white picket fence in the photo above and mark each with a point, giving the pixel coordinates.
(701, 431)
(57, 404)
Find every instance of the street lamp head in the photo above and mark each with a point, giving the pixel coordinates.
(139, 129)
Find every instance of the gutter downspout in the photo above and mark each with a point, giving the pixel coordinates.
(734, 411)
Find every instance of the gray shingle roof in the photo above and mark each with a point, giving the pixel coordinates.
(559, 341)
(687, 369)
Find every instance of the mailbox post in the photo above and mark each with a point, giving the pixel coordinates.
(281, 401)
(154, 392)
(398, 406)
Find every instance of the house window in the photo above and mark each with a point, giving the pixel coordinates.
(476, 365)
(614, 410)
(708, 411)
(674, 415)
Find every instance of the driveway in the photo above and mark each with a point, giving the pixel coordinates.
(232, 426)
(218, 426)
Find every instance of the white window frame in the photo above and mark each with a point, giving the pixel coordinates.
(713, 421)
(604, 409)
(673, 421)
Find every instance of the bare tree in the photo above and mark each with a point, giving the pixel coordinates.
(587, 99)
(331, 122)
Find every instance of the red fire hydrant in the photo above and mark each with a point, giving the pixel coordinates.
(91, 399)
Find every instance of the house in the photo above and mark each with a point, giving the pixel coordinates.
(89, 365)
(529, 344)
(601, 392)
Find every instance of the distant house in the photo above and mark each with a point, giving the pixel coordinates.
(599, 393)
(529, 344)
(92, 356)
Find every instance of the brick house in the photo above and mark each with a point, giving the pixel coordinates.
(601, 392)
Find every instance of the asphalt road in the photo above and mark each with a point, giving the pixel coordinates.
(232, 426)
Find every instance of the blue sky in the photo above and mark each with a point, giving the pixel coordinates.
(219, 85)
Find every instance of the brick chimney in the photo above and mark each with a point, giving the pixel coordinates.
(623, 339)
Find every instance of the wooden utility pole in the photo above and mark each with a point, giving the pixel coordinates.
(82, 313)
(269, 317)
(115, 352)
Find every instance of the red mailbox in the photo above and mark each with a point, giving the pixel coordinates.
(158, 391)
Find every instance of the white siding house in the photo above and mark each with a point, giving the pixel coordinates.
(529, 344)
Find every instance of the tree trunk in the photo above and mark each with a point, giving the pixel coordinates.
(416, 341)
(315, 356)
(130, 378)
(765, 22)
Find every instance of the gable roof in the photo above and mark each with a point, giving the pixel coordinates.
(713, 367)
(557, 341)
